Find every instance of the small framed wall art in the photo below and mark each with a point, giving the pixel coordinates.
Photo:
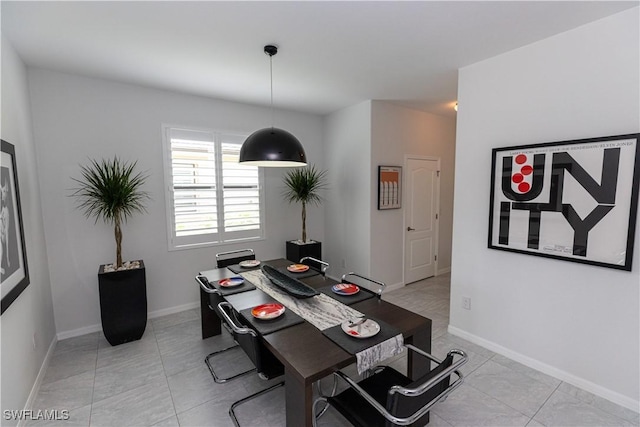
(15, 274)
(389, 187)
(570, 200)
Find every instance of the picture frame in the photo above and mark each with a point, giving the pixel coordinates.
(15, 271)
(389, 187)
(571, 200)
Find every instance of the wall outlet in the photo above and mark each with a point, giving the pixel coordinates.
(343, 263)
(34, 341)
(466, 303)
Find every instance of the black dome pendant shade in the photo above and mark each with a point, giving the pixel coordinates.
(272, 147)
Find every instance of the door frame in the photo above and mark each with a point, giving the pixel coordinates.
(404, 214)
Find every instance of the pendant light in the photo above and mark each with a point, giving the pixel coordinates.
(272, 147)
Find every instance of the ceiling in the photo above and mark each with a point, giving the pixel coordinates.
(332, 54)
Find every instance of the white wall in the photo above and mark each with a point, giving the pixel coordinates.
(77, 118)
(347, 203)
(578, 322)
(32, 311)
(396, 132)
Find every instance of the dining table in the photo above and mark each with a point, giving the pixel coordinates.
(307, 354)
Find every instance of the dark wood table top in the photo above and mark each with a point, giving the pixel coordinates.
(304, 348)
(305, 352)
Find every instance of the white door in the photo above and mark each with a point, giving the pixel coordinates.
(421, 219)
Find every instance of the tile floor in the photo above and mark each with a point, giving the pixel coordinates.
(162, 380)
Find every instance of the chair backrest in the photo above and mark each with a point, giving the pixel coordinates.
(267, 365)
(224, 259)
(403, 406)
(345, 279)
(315, 263)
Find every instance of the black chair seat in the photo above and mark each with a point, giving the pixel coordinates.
(350, 404)
(389, 398)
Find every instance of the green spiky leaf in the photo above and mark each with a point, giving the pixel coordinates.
(303, 185)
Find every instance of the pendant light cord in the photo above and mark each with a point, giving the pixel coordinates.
(271, 74)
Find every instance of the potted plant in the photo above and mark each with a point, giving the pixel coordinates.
(303, 185)
(110, 190)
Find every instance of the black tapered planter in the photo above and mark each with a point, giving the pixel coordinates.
(123, 304)
(296, 251)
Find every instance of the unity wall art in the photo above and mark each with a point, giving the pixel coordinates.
(15, 274)
(571, 200)
(389, 187)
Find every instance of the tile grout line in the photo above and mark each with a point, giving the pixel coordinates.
(95, 374)
(546, 400)
(175, 412)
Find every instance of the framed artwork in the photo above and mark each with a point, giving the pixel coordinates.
(571, 200)
(389, 187)
(15, 274)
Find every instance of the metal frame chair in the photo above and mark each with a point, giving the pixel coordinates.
(267, 365)
(223, 259)
(315, 263)
(381, 284)
(396, 399)
(214, 300)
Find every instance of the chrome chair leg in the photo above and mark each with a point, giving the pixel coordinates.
(314, 417)
(232, 413)
(320, 393)
(218, 379)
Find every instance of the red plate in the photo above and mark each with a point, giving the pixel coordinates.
(345, 289)
(298, 268)
(267, 311)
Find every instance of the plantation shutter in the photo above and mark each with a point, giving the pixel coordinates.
(213, 199)
(241, 191)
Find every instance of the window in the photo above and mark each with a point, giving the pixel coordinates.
(211, 198)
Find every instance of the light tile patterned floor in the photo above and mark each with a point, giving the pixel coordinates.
(162, 380)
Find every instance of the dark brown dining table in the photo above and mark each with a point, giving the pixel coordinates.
(306, 353)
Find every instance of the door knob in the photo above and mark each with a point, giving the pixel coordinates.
(410, 229)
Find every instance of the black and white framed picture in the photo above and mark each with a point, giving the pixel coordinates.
(570, 200)
(15, 274)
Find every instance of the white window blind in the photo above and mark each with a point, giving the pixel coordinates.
(211, 197)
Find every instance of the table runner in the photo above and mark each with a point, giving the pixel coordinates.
(388, 342)
(321, 310)
(324, 312)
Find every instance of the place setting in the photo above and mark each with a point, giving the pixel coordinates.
(347, 293)
(270, 317)
(246, 265)
(361, 335)
(298, 271)
(233, 285)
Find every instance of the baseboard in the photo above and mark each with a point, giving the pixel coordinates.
(38, 382)
(173, 310)
(443, 271)
(151, 315)
(80, 331)
(393, 286)
(586, 385)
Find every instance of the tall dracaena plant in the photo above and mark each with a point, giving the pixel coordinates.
(110, 190)
(303, 185)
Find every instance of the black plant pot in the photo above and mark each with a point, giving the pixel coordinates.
(123, 304)
(297, 251)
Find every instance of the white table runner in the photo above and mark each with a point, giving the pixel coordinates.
(324, 312)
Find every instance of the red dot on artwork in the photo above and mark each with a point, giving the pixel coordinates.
(521, 158)
(517, 178)
(524, 187)
(526, 170)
